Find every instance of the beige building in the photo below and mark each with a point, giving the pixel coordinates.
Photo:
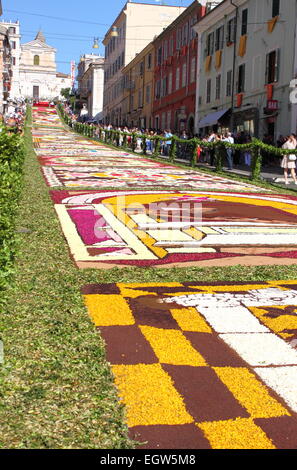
(90, 80)
(135, 27)
(139, 89)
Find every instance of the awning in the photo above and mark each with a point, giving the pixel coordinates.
(212, 119)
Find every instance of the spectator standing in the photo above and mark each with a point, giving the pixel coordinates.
(229, 151)
(289, 161)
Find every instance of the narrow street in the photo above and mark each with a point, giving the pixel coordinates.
(198, 364)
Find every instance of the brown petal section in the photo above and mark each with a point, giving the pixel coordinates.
(100, 289)
(205, 396)
(148, 311)
(127, 345)
(186, 436)
(282, 431)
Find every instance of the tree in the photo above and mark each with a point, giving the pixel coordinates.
(66, 92)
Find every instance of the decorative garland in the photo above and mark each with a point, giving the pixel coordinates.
(113, 137)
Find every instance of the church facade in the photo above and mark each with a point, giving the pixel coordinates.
(39, 79)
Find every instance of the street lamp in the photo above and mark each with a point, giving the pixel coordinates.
(96, 45)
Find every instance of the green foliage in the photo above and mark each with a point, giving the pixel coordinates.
(172, 152)
(219, 156)
(256, 163)
(66, 92)
(11, 178)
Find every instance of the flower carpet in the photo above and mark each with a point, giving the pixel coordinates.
(197, 365)
(121, 228)
(203, 365)
(52, 144)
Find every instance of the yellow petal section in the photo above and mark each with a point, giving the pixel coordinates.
(149, 396)
(171, 347)
(189, 319)
(109, 310)
(240, 433)
(250, 392)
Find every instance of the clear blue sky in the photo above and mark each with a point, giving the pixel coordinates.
(70, 38)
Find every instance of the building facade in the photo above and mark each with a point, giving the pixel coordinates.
(90, 80)
(135, 27)
(5, 68)
(138, 90)
(175, 72)
(13, 29)
(245, 66)
(38, 71)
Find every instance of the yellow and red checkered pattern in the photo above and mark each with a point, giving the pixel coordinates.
(182, 385)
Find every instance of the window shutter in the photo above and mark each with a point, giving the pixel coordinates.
(277, 65)
(267, 69)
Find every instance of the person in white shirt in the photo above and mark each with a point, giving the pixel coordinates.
(289, 161)
(228, 138)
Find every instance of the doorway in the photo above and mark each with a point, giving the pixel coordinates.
(36, 92)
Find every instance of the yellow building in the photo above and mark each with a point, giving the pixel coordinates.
(134, 28)
(139, 89)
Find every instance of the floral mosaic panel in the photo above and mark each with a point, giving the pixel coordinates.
(154, 228)
(203, 365)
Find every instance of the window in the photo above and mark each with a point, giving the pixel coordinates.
(185, 34)
(177, 79)
(193, 70)
(272, 67)
(148, 94)
(210, 44)
(36, 60)
(192, 22)
(140, 100)
(171, 46)
(158, 89)
(159, 56)
(184, 75)
(275, 8)
(208, 91)
(218, 87)
(231, 31)
(164, 87)
(13, 44)
(149, 61)
(170, 83)
(165, 50)
(13, 61)
(141, 68)
(241, 79)
(12, 30)
(178, 38)
(244, 22)
(219, 38)
(229, 83)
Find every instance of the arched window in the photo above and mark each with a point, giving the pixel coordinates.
(36, 60)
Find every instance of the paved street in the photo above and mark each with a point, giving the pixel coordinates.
(198, 365)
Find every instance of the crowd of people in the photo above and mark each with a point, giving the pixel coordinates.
(15, 115)
(233, 157)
